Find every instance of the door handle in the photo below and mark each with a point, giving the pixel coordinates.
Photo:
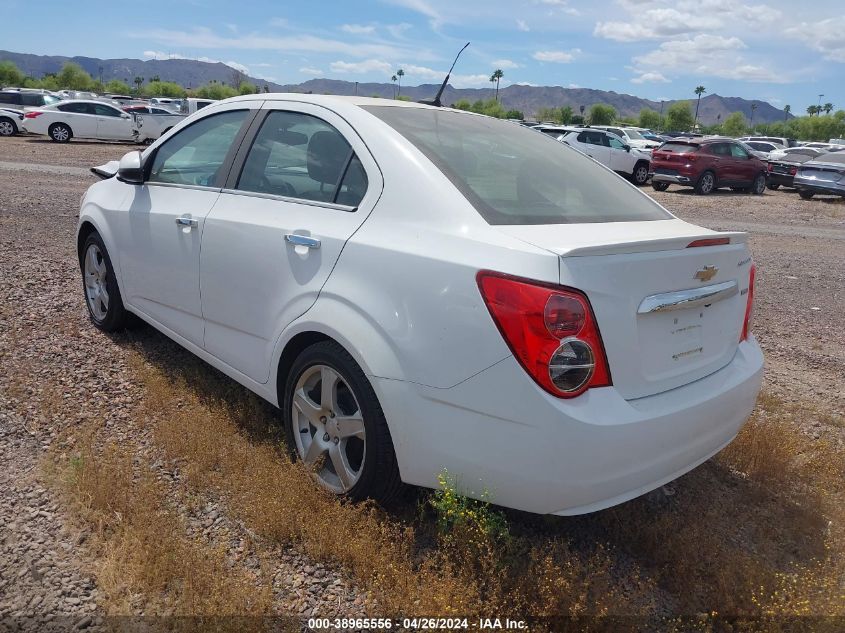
(190, 222)
(302, 240)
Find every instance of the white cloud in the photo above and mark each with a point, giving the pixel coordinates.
(705, 56)
(649, 77)
(204, 38)
(398, 30)
(504, 64)
(362, 67)
(826, 37)
(358, 29)
(558, 57)
(308, 70)
(522, 25)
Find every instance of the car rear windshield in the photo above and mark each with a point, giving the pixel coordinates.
(514, 175)
(678, 148)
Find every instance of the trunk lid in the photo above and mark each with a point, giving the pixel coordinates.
(655, 338)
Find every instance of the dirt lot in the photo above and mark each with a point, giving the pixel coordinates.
(62, 383)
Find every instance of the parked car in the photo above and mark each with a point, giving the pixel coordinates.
(706, 165)
(10, 121)
(629, 136)
(824, 174)
(786, 152)
(606, 148)
(21, 99)
(81, 119)
(153, 121)
(191, 105)
(422, 289)
(761, 149)
(782, 170)
(780, 141)
(166, 102)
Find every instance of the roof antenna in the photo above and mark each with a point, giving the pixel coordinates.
(436, 101)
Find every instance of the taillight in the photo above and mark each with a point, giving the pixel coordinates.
(32, 115)
(793, 171)
(771, 167)
(749, 304)
(551, 331)
(709, 241)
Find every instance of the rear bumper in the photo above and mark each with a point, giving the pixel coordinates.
(816, 186)
(677, 179)
(785, 180)
(498, 434)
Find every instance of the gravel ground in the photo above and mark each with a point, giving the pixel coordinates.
(56, 370)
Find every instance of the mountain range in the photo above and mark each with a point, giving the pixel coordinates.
(528, 99)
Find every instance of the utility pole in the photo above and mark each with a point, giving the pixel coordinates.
(820, 103)
(356, 88)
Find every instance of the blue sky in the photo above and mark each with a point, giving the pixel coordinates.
(778, 51)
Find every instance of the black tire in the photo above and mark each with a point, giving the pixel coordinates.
(706, 183)
(773, 186)
(806, 195)
(114, 317)
(379, 473)
(659, 186)
(758, 186)
(60, 132)
(640, 175)
(8, 127)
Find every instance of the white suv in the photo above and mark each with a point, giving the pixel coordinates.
(607, 148)
(629, 135)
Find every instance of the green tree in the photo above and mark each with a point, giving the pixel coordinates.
(400, 73)
(827, 107)
(463, 104)
(811, 110)
(10, 75)
(650, 119)
(117, 87)
(577, 119)
(699, 90)
(754, 107)
(138, 81)
(566, 115)
(601, 114)
(679, 116)
(393, 79)
(247, 88)
(215, 90)
(73, 77)
(786, 110)
(514, 114)
(497, 76)
(161, 89)
(734, 124)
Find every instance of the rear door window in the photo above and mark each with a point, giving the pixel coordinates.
(298, 155)
(75, 108)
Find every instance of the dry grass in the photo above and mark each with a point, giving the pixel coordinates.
(146, 563)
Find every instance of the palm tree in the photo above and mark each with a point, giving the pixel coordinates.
(138, 81)
(393, 79)
(811, 110)
(754, 107)
(786, 110)
(827, 107)
(699, 90)
(400, 73)
(496, 76)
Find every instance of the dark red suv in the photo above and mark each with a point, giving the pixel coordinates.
(707, 164)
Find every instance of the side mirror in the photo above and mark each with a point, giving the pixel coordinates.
(129, 169)
(627, 148)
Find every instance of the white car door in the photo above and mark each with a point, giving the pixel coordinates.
(79, 116)
(160, 247)
(271, 240)
(113, 123)
(621, 159)
(593, 144)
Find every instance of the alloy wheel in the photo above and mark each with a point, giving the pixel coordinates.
(329, 428)
(6, 128)
(641, 175)
(61, 133)
(96, 275)
(707, 183)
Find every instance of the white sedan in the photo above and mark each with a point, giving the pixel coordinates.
(422, 289)
(81, 119)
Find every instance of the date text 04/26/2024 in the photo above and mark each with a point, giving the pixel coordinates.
(419, 624)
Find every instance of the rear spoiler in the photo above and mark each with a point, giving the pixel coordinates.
(659, 244)
(106, 171)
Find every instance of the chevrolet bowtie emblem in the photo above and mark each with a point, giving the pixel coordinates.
(706, 274)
